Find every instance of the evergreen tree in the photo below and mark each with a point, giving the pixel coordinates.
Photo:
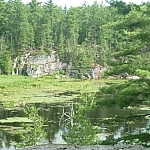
(130, 58)
(114, 35)
(6, 63)
(34, 20)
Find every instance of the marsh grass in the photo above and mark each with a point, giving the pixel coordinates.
(14, 89)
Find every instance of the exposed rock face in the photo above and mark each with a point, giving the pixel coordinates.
(39, 65)
(42, 65)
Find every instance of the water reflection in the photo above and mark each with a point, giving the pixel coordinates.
(5, 140)
(58, 137)
(117, 128)
(52, 115)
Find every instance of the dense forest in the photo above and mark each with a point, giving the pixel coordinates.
(114, 35)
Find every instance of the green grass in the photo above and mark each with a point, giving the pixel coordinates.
(16, 89)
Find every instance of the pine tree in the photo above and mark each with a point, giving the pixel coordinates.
(6, 63)
(34, 20)
(129, 57)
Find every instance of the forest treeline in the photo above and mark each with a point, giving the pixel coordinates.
(114, 35)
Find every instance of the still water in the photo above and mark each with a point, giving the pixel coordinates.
(54, 129)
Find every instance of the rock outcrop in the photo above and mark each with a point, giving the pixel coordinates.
(43, 65)
(36, 65)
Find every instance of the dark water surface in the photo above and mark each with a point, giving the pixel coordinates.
(54, 129)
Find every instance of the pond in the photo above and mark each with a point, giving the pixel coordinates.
(54, 123)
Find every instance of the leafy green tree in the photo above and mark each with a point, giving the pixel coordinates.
(33, 134)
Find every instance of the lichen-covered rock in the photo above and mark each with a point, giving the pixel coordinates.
(36, 65)
(39, 65)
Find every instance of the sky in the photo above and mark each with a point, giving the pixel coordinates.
(75, 3)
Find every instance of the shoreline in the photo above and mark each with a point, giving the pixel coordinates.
(89, 147)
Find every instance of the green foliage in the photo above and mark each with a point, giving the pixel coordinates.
(77, 134)
(143, 73)
(6, 63)
(80, 35)
(62, 72)
(77, 34)
(32, 133)
(74, 33)
(130, 93)
(129, 51)
(83, 60)
(116, 36)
